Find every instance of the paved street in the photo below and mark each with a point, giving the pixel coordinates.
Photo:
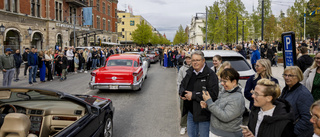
(153, 111)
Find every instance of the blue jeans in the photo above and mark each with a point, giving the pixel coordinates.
(196, 128)
(94, 63)
(33, 73)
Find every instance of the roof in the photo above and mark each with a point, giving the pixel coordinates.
(124, 56)
(222, 53)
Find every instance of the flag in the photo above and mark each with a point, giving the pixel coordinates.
(87, 16)
(312, 13)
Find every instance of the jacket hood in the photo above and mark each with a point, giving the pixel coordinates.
(283, 111)
(185, 64)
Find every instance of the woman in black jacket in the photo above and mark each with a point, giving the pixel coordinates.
(270, 117)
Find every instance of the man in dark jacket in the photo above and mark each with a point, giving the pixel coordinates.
(33, 65)
(25, 60)
(160, 55)
(63, 64)
(18, 61)
(305, 61)
(198, 78)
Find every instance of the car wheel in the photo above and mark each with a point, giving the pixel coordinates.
(108, 127)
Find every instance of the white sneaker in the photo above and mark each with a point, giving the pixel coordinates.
(85, 71)
(183, 130)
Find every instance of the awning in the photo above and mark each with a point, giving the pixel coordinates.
(110, 43)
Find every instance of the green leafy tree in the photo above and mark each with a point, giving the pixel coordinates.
(181, 37)
(313, 25)
(142, 34)
(155, 39)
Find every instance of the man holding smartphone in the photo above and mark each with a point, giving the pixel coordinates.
(197, 77)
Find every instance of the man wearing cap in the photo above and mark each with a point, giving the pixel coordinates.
(7, 66)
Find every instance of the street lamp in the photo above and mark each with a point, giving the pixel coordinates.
(2, 29)
(216, 18)
(29, 31)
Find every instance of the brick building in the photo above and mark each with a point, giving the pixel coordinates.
(47, 23)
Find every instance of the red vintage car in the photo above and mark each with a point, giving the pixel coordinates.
(122, 72)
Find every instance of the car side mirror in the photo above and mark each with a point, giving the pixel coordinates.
(140, 63)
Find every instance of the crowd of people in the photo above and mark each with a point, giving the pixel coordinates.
(212, 104)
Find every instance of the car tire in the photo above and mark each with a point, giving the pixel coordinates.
(108, 127)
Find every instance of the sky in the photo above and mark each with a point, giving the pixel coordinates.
(167, 15)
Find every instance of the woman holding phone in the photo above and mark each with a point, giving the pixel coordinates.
(269, 117)
(227, 110)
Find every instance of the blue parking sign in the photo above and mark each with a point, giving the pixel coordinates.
(289, 46)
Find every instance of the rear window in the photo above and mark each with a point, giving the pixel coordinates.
(120, 63)
(237, 63)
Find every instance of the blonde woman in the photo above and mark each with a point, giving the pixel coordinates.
(42, 66)
(312, 77)
(270, 116)
(263, 69)
(224, 65)
(48, 63)
(165, 57)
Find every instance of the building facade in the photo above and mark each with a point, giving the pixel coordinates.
(127, 25)
(195, 35)
(48, 24)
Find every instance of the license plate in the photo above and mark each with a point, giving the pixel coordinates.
(113, 86)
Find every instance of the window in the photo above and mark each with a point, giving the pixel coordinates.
(60, 11)
(104, 24)
(123, 16)
(73, 12)
(98, 22)
(98, 5)
(122, 29)
(7, 4)
(38, 8)
(91, 3)
(122, 36)
(109, 25)
(57, 11)
(104, 8)
(122, 22)
(115, 13)
(33, 10)
(109, 10)
(15, 6)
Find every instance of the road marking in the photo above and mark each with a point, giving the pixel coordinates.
(86, 93)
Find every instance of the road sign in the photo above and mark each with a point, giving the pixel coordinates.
(289, 49)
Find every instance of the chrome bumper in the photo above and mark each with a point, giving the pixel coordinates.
(120, 86)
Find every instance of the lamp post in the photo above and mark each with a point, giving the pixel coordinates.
(29, 31)
(2, 29)
(216, 18)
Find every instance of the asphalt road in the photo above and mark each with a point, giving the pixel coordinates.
(152, 111)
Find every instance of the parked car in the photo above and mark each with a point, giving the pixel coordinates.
(43, 113)
(238, 62)
(122, 71)
(143, 56)
(153, 55)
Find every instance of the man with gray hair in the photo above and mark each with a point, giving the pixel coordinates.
(199, 77)
(7, 66)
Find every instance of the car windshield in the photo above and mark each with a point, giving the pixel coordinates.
(237, 63)
(151, 52)
(31, 95)
(119, 62)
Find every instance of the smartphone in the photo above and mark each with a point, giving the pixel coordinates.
(244, 127)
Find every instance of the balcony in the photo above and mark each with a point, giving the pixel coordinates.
(79, 3)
